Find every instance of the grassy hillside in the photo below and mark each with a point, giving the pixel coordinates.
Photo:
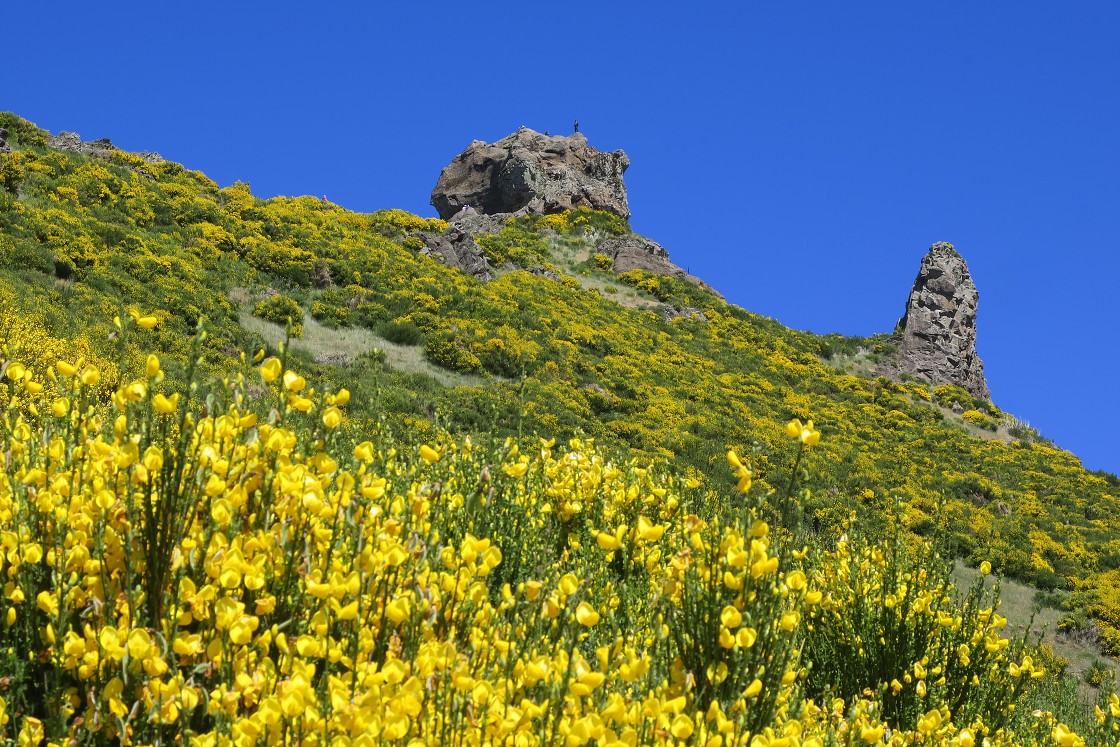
(90, 247)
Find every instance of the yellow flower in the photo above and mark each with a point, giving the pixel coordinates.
(428, 454)
(587, 615)
(332, 418)
(165, 405)
(804, 433)
(15, 371)
(90, 376)
(607, 541)
(363, 452)
(293, 382)
(152, 367)
(47, 602)
(681, 728)
(648, 531)
(985, 568)
(753, 689)
(147, 322)
(731, 617)
(871, 734)
(60, 407)
(742, 472)
(270, 370)
(1063, 737)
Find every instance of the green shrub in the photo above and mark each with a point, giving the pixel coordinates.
(331, 315)
(23, 132)
(977, 418)
(281, 310)
(1097, 674)
(450, 354)
(402, 333)
(602, 261)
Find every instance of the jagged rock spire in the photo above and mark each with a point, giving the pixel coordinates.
(938, 329)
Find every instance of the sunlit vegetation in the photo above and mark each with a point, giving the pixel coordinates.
(230, 564)
(103, 262)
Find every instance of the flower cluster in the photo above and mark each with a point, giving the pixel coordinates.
(177, 567)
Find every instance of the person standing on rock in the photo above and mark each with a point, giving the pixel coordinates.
(575, 126)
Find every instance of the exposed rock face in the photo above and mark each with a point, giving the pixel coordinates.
(531, 172)
(456, 248)
(938, 330)
(102, 148)
(634, 252)
(472, 222)
(72, 142)
(4, 148)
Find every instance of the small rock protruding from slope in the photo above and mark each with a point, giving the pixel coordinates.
(528, 172)
(102, 148)
(938, 330)
(635, 252)
(670, 312)
(4, 147)
(456, 248)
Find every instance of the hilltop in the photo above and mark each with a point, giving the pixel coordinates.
(545, 315)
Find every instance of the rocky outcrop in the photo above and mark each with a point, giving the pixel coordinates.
(472, 222)
(527, 172)
(102, 148)
(545, 272)
(937, 334)
(4, 147)
(634, 252)
(670, 312)
(456, 248)
(535, 173)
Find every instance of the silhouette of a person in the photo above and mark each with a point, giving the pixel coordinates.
(575, 126)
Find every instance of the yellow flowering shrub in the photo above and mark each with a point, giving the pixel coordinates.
(180, 567)
(83, 239)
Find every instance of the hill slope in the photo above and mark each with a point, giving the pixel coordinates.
(569, 349)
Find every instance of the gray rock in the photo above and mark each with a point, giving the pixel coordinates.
(471, 222)
(457, 249)
(4, 147)
(545, 272)
(938, 331)
(72, 142)
(634, 252)
(101, 148)
(670, 312)
(531, 172)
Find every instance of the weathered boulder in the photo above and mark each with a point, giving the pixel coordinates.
(937, 333)
(635, 252)
(535, 173)
(456, 248)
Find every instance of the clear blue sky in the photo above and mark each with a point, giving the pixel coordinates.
(801, 157)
